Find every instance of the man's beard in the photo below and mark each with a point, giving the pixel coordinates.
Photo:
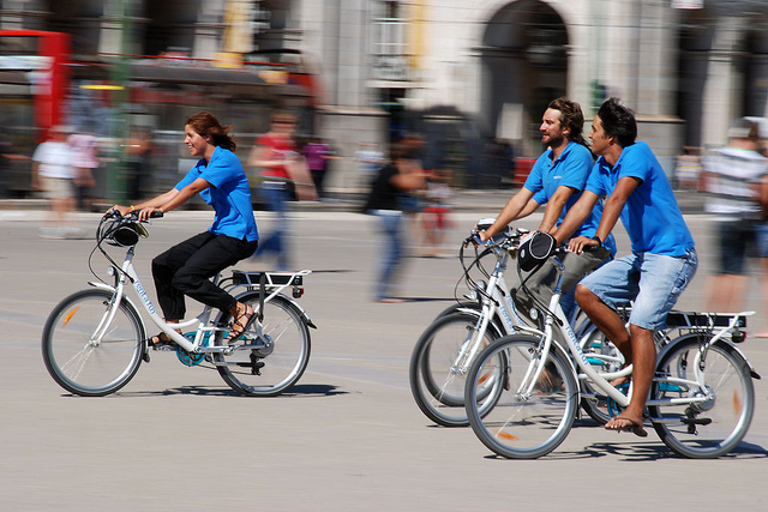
(554, 141)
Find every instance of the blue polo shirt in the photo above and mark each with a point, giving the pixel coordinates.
(570, 169)
(229, 194)
(651, 215)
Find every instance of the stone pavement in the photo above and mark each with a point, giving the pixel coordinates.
(349, 437)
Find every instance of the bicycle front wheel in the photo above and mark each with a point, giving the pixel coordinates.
(272, 355)
(718, 421)
(524, 423)
(85, 356)
(439, 366)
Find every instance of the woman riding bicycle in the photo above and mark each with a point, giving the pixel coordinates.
(186, 268)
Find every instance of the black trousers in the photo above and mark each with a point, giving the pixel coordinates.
(186, 269)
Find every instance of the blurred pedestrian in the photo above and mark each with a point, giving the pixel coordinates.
(688, 168)
(403, 174)
(437, 210)
(284, 177)
(85, 159)
(318, 155)
(7, 155)
(53, 173)
(369, 161)
(733, 176)
(139, 153)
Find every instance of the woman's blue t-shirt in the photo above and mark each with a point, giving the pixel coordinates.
(229, 194)
(570, 169)
(651, 215)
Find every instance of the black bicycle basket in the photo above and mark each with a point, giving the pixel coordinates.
(535, 250)
(122, 233)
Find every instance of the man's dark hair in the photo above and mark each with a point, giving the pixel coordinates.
(618, 121)
(572, 117)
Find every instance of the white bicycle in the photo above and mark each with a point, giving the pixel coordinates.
(701, 401)
(444, 352)
(95, 340)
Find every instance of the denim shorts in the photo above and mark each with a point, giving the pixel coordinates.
(653, 281)
(761, 239)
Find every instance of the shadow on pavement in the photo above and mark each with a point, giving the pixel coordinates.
(299, 390)
(644, 451)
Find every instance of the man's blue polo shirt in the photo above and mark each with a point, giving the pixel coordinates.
(570, 169)
(651, 215)
(229, 194)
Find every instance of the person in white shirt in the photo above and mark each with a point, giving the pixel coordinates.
(734, 176)
(53, 174)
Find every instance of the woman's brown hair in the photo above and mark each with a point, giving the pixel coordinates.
(206, 124)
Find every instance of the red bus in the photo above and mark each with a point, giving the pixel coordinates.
(42, 85)
(38, 60)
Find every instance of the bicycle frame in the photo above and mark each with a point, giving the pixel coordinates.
(496, 299)
(602, 380)
(199, 323)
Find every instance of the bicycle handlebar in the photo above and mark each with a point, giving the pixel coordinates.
(132, 215)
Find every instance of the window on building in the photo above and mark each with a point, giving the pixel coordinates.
(389, 52)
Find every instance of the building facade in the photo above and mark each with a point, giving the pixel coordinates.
(686, 67)
(462, 71)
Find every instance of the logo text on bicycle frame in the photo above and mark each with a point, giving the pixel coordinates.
(575, 343)
(145, 298)
(505, 314)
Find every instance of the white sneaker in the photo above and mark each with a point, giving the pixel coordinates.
(73, 232)
(52, 233)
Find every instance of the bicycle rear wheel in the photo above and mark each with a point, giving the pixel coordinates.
(523, 425)
(714, 426)
(81, 364)
(439, 365)
(272, 356)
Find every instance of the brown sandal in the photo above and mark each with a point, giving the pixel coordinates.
(238, 322)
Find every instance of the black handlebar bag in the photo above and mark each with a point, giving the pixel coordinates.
(535, 250)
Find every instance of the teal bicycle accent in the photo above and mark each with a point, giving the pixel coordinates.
(190, 358)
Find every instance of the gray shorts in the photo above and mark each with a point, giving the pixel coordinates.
(542, 283)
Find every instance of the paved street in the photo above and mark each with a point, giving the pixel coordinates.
(349, 437)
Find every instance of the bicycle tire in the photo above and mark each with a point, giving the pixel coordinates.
(523, 427)
(716, 426)
(436, 383)
(270, 358)
(81, 366)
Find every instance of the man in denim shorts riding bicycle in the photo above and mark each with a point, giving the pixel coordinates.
(557, 179)
(663, 259)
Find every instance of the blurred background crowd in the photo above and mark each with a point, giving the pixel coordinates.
(114, 80)
(471, 78)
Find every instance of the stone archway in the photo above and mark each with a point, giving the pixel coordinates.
(524, 59)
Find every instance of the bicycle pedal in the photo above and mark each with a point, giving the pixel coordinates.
(256, 367)
(696, 421)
